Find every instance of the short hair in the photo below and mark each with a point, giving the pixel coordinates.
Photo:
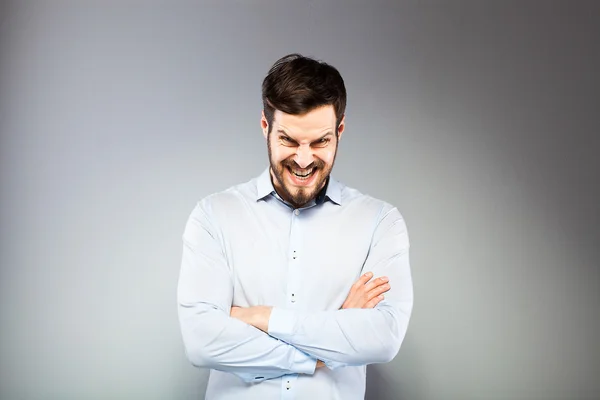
(297, 85)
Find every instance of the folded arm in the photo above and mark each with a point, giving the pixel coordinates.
(356, 336)
(213, 339)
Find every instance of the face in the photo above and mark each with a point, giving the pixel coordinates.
(302, 151)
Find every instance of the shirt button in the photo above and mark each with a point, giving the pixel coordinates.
(288, 385)
(297, 212)
(293, 298)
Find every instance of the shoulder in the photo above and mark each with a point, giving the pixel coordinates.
(217, 210)
(384, 218)
(357, 201)
(228, 200)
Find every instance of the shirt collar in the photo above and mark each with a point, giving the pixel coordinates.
(334, 191)
(264, 187)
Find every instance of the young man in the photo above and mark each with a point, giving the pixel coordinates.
(283, 278)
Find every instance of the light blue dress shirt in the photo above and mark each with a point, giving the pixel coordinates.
(245, 246)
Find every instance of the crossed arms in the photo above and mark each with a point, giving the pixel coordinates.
(259, 343)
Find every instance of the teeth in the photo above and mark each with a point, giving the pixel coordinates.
(299, 173)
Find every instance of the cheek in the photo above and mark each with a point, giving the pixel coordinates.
(327, 155)
(280, 154)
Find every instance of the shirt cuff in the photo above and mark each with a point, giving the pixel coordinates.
(303, 363)
(282, 323)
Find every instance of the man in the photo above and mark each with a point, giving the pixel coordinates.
(283, 278)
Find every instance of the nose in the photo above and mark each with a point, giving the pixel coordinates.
(304, 156)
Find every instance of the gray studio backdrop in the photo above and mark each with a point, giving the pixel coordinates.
(479, 120)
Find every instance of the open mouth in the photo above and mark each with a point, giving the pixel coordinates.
(302, 175)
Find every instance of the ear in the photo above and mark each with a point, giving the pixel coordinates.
(341, 127)
(264, 124)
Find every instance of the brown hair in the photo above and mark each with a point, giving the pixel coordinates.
(296, 85)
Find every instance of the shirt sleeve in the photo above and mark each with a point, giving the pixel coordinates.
(213, 339)
(359, 336)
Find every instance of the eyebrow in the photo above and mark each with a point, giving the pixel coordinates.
(282, 132)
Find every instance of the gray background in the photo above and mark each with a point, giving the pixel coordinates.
(478, 119)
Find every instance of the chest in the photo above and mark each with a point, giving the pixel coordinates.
(306, 260)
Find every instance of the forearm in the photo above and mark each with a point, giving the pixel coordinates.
(214, 340)
(344, 337)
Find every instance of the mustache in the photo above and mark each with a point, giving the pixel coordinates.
(292, 164)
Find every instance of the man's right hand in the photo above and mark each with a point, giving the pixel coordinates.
(365, 294)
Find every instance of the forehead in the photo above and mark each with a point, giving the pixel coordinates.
(307, 126)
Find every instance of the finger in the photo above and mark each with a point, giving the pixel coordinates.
(378, 290)
(376, 282)
(373, 302)
(363, 279)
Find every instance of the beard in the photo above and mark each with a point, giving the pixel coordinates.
(298, 196)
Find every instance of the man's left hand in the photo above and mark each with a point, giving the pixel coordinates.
(257, 316)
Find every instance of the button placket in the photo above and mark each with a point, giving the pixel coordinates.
(294, 282)
(294, 266)
(293, 259)
(287, 386)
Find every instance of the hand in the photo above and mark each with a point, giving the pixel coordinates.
(257, 316)
(366, 295)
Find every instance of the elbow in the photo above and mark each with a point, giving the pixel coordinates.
(387, 351)
(198, 337)
(388, 341)
(198, 357)
(198, 352)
